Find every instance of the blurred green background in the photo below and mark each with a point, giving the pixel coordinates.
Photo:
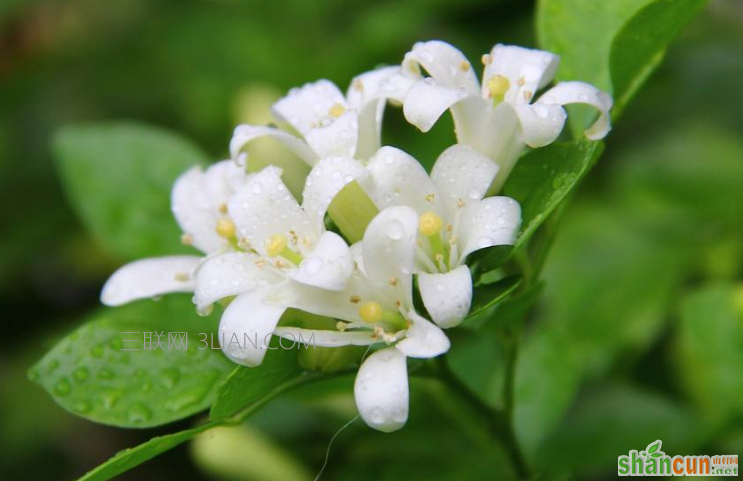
(639, 334)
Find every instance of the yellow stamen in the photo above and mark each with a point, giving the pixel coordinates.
(354, 299)
(464, 65)
(430, 197)
(370, 311)
(430, 224)
(358, 85)
(336, 110)
(486, 59)
(275, 245)
(225, 228)
(186, 239)
(223, 208)
(498, 85)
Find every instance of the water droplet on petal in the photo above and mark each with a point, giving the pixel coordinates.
(62, 387)
(394, 230)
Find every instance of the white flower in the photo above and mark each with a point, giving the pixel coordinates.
(280, 243)
(329, 123)
(199, 203)
(496, 117)
(455, 220)
(376, 307)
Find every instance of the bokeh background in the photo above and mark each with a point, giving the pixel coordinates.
(639, 334)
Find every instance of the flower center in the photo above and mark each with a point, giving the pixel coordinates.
(373, 312)
(225, 228)
(498, 85)
(430, 226)
(336, 110)
(277, 245)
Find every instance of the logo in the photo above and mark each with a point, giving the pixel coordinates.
(654, 462)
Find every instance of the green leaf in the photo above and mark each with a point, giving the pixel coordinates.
(614, 45)
(641, 43)
(119, 177)
(544, 177)
(654, 447)
(90, 375)
(133, 457)
(709, 350)
(656, 455)
(249, 387)
(486, 299)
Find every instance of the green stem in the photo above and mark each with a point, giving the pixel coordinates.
(352, 210)
(499, 421)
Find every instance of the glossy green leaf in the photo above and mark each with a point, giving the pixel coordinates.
(119, 177)
(639, 46)
(486, 298)
(614, 45)
(248, 387)
(133, 457)
(544, 177)
(90, 373)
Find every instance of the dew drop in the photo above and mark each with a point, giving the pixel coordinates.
(105, 373)
(312, 265)
(484, 241)
(170, 377)
(138, 413)
(394, 230)
(97, 351)
(81, 374)
(83, 407)
(62, 387)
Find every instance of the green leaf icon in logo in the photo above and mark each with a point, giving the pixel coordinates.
(653, 449)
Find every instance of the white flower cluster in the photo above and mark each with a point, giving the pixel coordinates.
(264, 252)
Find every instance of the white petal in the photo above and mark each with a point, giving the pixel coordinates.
(541, 123)
(448, 296)
(388, 251)
(228, 275)
(264, 207)
(320, 338)
(244, 134)
(196, 211)
(323, 302)
(328, 266)
(491, 222)
(566, 93)
(396, 86)
(444, 63)
(246, 327)
(308, 106)
(399, 179)
(424, 338)
(462, 175)
(526, 69)
(324, 182)
(149, 278)
(366, 88)
(337, 137)
(426, 101)
(381, 390)
(367, 97)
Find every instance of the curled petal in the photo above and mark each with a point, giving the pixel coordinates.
(149, 278)
(426, 101)
(328, 266)
(368, 98)
(230, 274)
(324, 182)
(247, 325)
(264, 208)
(444, 63)
(388, 251)
(306, 107)
(447, 296)
(566, 93)
(321, 338)
(541, 123)
(424, 339)
(399, 179)
(527, 71)
(462, 175)
(336, 138)
(491, 222)
(244, 134)
(381, 390)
